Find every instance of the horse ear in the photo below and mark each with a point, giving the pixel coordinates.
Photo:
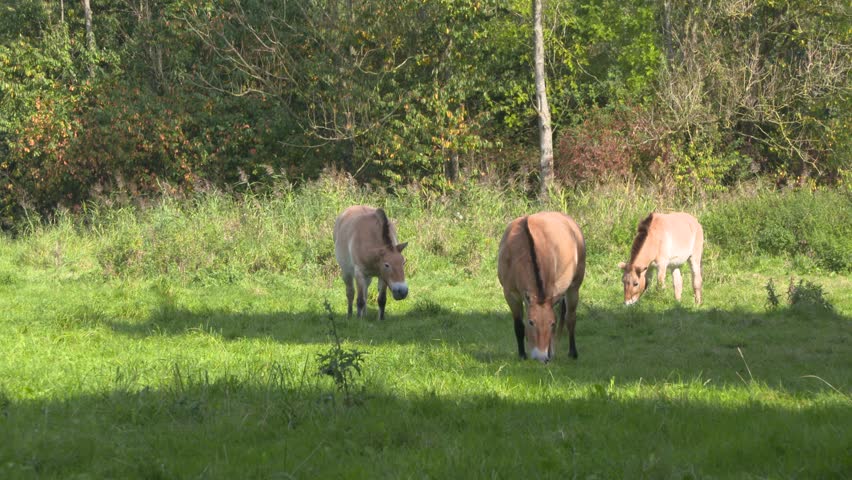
(400, 247)
(622, 266)
(640, 271)
(527, 300)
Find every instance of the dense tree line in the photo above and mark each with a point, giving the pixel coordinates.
(139, 96)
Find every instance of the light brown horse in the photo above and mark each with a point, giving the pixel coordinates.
(365, 245)
(542, 262)
(665, 241)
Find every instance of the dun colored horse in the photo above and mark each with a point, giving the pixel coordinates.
(542, 262)
(365, 245)
(664, 241)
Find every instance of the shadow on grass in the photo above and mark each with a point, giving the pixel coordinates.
(277, 427)
(428, 321)
(630, 344)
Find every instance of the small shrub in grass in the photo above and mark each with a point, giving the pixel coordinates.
(341, 365)
(803, 296)
(806, 296)
(772, 298)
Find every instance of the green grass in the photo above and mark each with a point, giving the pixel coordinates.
(180, 341)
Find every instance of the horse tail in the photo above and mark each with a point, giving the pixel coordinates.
(539, 283)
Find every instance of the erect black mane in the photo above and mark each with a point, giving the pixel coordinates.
(383, 219)
(539, 284)
(641, 236)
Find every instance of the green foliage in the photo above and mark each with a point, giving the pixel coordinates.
(177, 96)
(698, 169)
(772, 298)
(808, 296)
(796, 223)
(341, 364)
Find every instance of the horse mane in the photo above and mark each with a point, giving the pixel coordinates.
(539, 284)
(383, 219)
(641, 236)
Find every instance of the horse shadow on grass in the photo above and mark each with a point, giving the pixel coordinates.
(631, 343)
(415, 325)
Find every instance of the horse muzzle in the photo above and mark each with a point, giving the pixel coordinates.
(541, 356)
(399, 291)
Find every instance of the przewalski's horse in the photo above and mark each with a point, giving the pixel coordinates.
(542, 262)
(664, 241)
(365, 245)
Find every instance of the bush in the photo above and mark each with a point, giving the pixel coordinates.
(807, 296)
(597, 149)
(815, 224)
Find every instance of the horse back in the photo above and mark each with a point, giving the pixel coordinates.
(560, 254)
(679, 235)
(357, 235)
(561, 249)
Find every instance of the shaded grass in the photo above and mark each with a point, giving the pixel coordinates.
(225, 429)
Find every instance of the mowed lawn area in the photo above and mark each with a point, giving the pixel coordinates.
(159, 376)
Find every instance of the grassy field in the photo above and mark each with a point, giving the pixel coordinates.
(180, 340)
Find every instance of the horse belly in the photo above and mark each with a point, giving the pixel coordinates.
(343, 246)
(678, 260)
(677, 251)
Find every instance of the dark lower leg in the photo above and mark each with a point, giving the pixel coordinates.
(519, 335)
(361, 285)
(350, 295)
(571, 301)
(383, 299)
(361, 303)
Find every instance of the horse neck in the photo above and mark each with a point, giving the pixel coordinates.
(646, 254)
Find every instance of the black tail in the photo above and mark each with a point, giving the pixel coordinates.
(539, 284)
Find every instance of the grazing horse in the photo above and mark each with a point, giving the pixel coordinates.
(664, 241)
(542, 262)
(365, 246)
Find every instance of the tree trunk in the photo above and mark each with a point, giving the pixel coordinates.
(90, 35)
(451, 166)
(667, 31)
(544, 127)
(451, 156)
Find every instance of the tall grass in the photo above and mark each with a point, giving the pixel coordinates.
(218, 237)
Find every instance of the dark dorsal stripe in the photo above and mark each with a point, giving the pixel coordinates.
(383, 219)
(539, 284)
(641, 236)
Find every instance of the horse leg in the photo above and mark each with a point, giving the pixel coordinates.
(572, 298)
(362, 283)
(383, 298)
(562, 326)
(350, 292)
(677, 281)
(661, 273)
(697, 282)
(563, 314)
(520, 331)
